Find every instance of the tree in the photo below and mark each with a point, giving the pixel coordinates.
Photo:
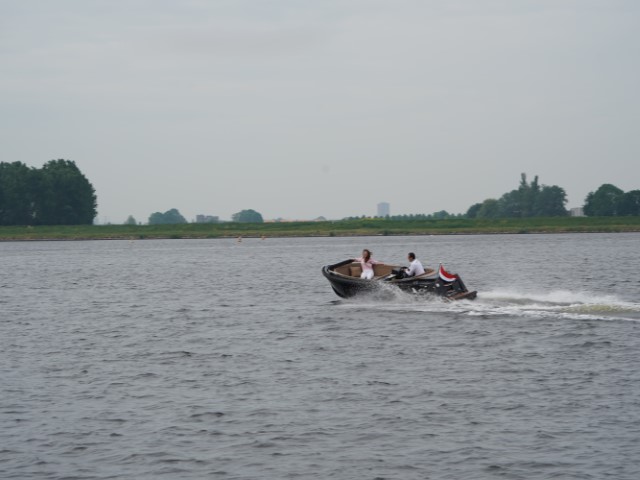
(130, 220)
(629, 203)
(520, 202)
(441, 214)
(65, 196)
(510, 205)
(247, 216)
(157, 218)
(528, 195)
(603, 202)
(473, 210)
(17, 192)
(529, 200)
(490, 209)
(56, 194)
(170, 217)
(550, 202)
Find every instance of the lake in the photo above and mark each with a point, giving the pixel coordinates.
(189, 359)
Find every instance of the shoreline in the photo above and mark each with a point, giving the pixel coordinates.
(357, 228)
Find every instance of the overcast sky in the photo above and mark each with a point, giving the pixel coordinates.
(299, 109)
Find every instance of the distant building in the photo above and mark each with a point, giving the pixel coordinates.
(383, 209)
(577, 212)
(207, 219)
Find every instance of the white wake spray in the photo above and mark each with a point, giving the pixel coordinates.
(567, 304)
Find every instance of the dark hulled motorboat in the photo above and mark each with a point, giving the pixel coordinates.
(346, 282)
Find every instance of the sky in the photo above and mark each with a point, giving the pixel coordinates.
(300, 109)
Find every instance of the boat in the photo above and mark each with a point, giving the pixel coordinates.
(345, 280)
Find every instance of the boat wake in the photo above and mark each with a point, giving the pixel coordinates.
(561, 304)
(511, 303)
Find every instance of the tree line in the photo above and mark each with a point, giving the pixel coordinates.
(60, 194)
(56, 194)
(610, 201)
(535, 200)
(173, 216)
(531, 199)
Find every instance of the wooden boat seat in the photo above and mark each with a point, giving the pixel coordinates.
(379, 270)
(382, 270)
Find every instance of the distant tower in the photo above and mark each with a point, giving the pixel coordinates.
(383, 209)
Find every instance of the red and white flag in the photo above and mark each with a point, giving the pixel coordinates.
(446, 276)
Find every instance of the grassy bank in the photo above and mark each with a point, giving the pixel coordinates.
(337, 228)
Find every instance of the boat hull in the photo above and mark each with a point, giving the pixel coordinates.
(347, 285)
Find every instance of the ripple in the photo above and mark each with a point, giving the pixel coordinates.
(151, 366)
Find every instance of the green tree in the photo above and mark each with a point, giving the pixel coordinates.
(550, 202)
(528, 195)
(510, 205)
(529, 200)
(473, 210)
(65, 196)
(521, 202)
(490, 209)
(603, 202)
(17, 194)
(130, 220)
(629, 203)
(247, 216)
(169, 217)
(442, 214)
(57, 194)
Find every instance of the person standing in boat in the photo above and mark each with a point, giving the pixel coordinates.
(367, 263)
(415, 267)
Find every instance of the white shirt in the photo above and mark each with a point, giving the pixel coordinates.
(415, 268)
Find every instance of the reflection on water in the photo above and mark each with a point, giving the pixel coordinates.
(198, 359)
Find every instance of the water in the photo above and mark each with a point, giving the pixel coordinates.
(216, 359)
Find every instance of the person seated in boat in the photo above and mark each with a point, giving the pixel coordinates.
(415, 267)
(367, 263)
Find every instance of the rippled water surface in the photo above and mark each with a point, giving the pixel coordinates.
(216, 359)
